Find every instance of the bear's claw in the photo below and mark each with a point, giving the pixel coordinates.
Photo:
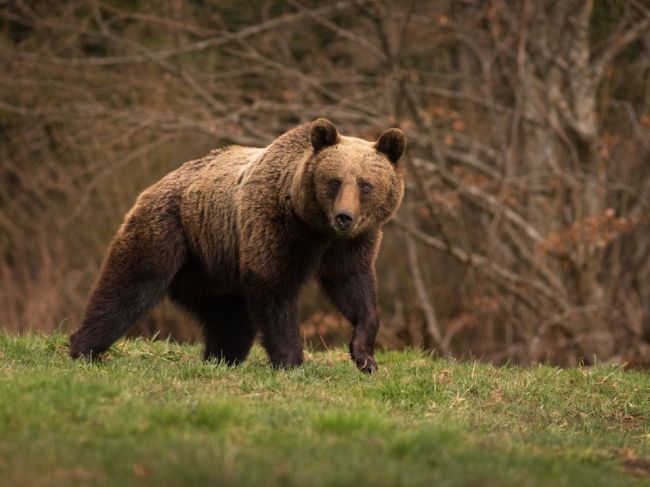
(367, 365)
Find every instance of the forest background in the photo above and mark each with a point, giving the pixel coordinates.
(525, 232)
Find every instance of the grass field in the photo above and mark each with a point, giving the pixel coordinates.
(154, 413)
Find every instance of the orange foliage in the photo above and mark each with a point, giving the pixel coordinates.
(599, 232)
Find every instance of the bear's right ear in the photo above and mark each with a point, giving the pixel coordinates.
(392, 143)
(323, 134)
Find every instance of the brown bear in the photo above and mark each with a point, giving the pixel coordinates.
(233, 236)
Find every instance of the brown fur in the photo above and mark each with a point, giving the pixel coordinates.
(232, 238)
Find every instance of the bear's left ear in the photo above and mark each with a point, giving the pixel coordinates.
(392, 143)
(323, 134)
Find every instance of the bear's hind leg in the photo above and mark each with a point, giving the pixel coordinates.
(230, 335)
(134, 278)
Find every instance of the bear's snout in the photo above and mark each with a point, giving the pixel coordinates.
(344, 220)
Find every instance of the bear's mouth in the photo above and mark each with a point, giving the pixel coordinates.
(341, 231)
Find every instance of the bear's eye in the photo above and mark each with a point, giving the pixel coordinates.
(365, 187)
(334, 184)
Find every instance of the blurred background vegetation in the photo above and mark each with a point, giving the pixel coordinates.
(524, 235)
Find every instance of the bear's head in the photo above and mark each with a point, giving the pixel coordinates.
(350, 185)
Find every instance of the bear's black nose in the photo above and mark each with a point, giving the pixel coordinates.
(344, 219)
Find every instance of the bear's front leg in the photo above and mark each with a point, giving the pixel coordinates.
(273, 270)
(347, 275)
(276, 315)
(362, 345)
(277, 254)
(354, 296)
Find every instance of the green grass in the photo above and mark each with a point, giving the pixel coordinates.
(154, 413)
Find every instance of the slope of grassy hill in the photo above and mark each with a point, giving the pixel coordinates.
(154, 413)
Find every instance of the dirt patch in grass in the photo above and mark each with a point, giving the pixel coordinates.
(638, 466)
